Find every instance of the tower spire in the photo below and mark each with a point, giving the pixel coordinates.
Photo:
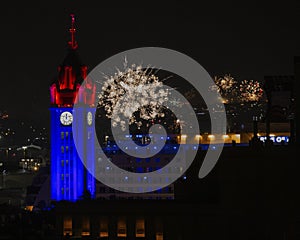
(72, 30)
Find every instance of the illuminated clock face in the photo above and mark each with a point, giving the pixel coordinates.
(66, 118)
(89, 118)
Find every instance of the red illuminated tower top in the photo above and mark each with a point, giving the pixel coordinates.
(71, 74)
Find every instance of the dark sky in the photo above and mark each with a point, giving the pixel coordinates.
(247, 40)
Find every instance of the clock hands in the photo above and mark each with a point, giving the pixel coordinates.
(66, 118)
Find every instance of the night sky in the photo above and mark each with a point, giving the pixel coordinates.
(247, 40)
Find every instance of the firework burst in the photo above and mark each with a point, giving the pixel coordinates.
(138, 89)
(227, 87)
(250, 91)
(241, 98)
(233, 92)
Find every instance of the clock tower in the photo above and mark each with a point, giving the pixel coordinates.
(69, 178)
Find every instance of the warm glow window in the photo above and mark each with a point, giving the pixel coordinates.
(67, 228)
(103, 228)
(140, 228)
(85, 226)
(122, 227)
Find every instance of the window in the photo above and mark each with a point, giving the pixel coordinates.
(121, 227)
(159, 229)
(159, 236)
(85, 226)
(103, 227)
(67, 228)
(140, 228)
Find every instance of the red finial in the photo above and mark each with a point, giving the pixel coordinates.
(72, 30)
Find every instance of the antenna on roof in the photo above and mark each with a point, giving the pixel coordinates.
(73, 44)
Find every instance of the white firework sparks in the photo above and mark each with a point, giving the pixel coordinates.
(144, 93)
(227, 87)
(250, 91)
(225, 84)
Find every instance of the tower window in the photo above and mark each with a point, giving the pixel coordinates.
(62, 135)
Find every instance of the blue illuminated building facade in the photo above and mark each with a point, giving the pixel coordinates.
(69, 178)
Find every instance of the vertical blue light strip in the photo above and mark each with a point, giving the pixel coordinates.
(55, 154)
